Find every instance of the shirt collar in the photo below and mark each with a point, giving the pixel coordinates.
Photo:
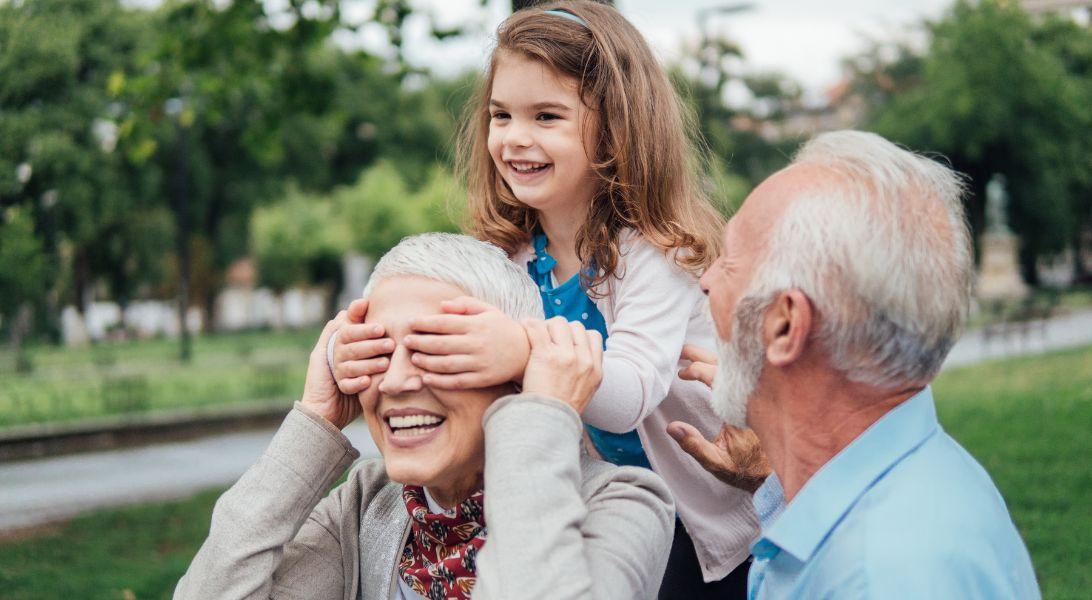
(830, 493)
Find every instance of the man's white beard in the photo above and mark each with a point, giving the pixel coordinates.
(739, 365)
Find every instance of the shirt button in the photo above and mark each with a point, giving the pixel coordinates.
(584, 316)
(542, 258)
(558, 302)
(542, 288)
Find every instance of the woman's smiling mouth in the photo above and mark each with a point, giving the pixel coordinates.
(411, 427)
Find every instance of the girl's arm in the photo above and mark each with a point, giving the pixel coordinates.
(652, 305)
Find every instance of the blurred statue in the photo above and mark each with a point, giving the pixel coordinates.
(999, 274)
(997, 204)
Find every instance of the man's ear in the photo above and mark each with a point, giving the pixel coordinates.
(786, 327)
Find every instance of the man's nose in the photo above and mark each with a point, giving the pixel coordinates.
(402, 375)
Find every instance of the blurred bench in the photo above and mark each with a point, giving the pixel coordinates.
(1006, 321)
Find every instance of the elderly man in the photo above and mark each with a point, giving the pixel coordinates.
(480, 491)
(842, 286)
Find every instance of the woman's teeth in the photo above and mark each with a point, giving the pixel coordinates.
(412, 425)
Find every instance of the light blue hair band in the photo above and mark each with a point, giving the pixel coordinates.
(568, 15)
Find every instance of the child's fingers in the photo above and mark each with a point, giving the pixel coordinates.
(698, 354)
(698, 371)
(355, 332)
(354, 385)
(442, 324)
(462, 381)
(357, 368)
(444, 363)
(357, 310)
(465, 305)
(362, 350)
(440, 344)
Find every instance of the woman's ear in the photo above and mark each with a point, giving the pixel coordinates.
(786, 327)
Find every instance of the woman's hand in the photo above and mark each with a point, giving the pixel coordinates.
(734, 457)
(359, 351)
(566, 361)
(472, 345)
(320, 393)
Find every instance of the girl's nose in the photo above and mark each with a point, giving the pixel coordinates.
(518, 135)
(402, 376)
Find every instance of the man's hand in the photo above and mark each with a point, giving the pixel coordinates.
(471, 345)
(566, 361)
(734, 457)
(320, 393)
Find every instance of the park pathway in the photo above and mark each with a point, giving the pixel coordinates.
(40, 491)
(44, 490)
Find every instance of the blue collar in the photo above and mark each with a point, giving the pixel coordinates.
(832, 491)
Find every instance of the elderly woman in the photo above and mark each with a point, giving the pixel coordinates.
(481, 491)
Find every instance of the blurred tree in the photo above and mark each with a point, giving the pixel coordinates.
(24, 277)
(58, 139)
(300, 239)
(1072, 44)
(995, 99)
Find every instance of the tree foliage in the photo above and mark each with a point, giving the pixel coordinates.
(1000, 93)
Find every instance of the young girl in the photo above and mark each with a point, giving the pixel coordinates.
(578, 163)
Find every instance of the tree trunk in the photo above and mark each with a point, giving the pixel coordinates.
(20, 326)
(180, 205)
(1081, 274)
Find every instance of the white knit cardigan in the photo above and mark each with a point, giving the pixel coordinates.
(653, 308)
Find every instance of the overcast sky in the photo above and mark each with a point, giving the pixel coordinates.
(804, 39)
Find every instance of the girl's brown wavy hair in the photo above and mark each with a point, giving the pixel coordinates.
(648, 155)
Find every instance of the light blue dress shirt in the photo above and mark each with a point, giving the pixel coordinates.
(902, 512)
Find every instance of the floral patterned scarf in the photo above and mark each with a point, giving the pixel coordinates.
(438, 561)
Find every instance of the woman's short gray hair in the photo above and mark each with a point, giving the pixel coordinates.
(479, 268)
(883, 251)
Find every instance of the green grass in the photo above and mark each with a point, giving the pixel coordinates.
(1026, 420)
(1029, 422)
(122, 377)
(135, 552)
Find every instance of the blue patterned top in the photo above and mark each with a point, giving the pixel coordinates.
(570, 300)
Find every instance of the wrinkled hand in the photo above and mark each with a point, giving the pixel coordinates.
(471, 345)
(703, 365)
(320, 393)
(734, 457)
(566, 361)
(359, 351)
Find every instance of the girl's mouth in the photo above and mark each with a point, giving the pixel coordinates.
(525, 169)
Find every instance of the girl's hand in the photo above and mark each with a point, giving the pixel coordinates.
(703, 366)
(734, 457)
(473, 345)
(320, 393)
(566, 361)
(359, 351)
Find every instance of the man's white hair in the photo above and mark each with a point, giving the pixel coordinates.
(882, 249)
(479, 268)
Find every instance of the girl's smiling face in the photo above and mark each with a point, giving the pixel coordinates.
(537, 135)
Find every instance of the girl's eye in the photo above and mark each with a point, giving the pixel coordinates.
(500, 115)
(548, 117)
